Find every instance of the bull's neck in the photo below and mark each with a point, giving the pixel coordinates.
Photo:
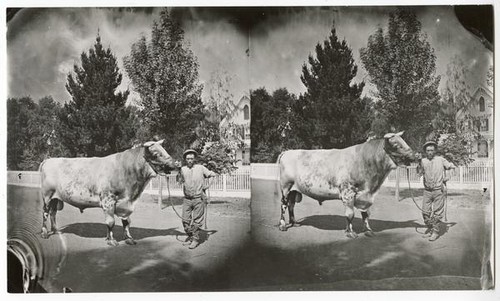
(140, 164)
(379, 157)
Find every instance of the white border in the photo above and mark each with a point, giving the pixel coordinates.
(261, 296)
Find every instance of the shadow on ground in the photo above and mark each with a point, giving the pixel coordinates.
(337, 222)
(97, 230)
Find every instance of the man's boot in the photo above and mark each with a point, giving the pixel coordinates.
(188, 241)
(194, 244)
(434, 236)
(427, 233)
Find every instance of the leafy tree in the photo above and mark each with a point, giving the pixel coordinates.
(218, 106)
(335, 114)
(260, 100)
(454, 121)
(276, 124)
(19, 112)
(401, 64)
(490, 76)
(218, 158)
(32, 131)
(164, 71)
(95, 121)
(220, 100)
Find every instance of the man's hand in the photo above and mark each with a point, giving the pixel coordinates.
(178, 164)
(418, 156)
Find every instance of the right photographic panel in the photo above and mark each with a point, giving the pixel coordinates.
(372, 148)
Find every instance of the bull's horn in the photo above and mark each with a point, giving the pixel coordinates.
(148, 144)
(160, 141)
(400, 133)
(389, 135)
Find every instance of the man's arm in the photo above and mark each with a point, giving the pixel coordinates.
(448, 165)
(420, 169)
(179, 177)
(210, 175)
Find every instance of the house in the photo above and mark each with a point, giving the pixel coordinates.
(480, 109)
(239, 114)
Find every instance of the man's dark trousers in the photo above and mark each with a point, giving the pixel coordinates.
(193, 216)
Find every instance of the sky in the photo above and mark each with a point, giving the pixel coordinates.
(256, 47)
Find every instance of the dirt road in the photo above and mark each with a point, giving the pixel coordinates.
(317, 255)
(157, 263)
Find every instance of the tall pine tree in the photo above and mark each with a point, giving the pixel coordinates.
(402, 64)
(165, 74)
(336, 116)
(95, 121)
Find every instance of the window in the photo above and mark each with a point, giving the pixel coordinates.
(246, 112)
(482, 149)
(484, 125)
(476, 125)
(481, 104)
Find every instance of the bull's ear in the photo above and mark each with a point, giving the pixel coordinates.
(389, 135)
(400, 133)
(148, 144)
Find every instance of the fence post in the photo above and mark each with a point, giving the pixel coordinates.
(397, 184)
(160, 190)
(224, 184)
(461, 174)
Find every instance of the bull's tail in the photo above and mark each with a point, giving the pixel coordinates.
(40, 172)
(279, 191)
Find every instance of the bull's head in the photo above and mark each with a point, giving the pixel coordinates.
(157, 157)
(398, 150)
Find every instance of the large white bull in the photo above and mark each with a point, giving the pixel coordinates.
(112, 183)
(353, 174)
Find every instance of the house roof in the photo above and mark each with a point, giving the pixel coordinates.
(236, 105)
(483, 88)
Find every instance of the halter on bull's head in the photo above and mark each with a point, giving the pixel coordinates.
(157, 157)
(397, 149)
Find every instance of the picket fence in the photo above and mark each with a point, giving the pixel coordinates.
(235, 184)
(474, 176)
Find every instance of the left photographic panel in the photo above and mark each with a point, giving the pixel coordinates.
(128, 149)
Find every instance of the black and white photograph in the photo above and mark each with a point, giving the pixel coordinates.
(372, 155)
(142, 114)
(286, 148)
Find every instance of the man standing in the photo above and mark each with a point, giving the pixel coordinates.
(432, 168)
(193, 208)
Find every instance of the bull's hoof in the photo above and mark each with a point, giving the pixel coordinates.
(55, 231)
(295, 225)
(130, 241)
(112, 242)
(282, 226)
(45, 233)
(370, 233)
(351, 234)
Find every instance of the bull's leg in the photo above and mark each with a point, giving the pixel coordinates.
(45, 215)
(282, 225)
(285, 190)
(293, 198)
(366, 224)
(348, 197)
(108, 205)
(54, 203)
(110, 223)
(349, 213)
(129, 240)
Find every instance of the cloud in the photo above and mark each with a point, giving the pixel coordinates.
(44, 44)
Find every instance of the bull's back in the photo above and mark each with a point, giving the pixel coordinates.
(77, 181)
(317, 173)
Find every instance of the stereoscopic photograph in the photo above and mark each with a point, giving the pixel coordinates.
(292, 148)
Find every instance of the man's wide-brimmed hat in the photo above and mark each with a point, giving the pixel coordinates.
(430, 143)
(189, 151)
